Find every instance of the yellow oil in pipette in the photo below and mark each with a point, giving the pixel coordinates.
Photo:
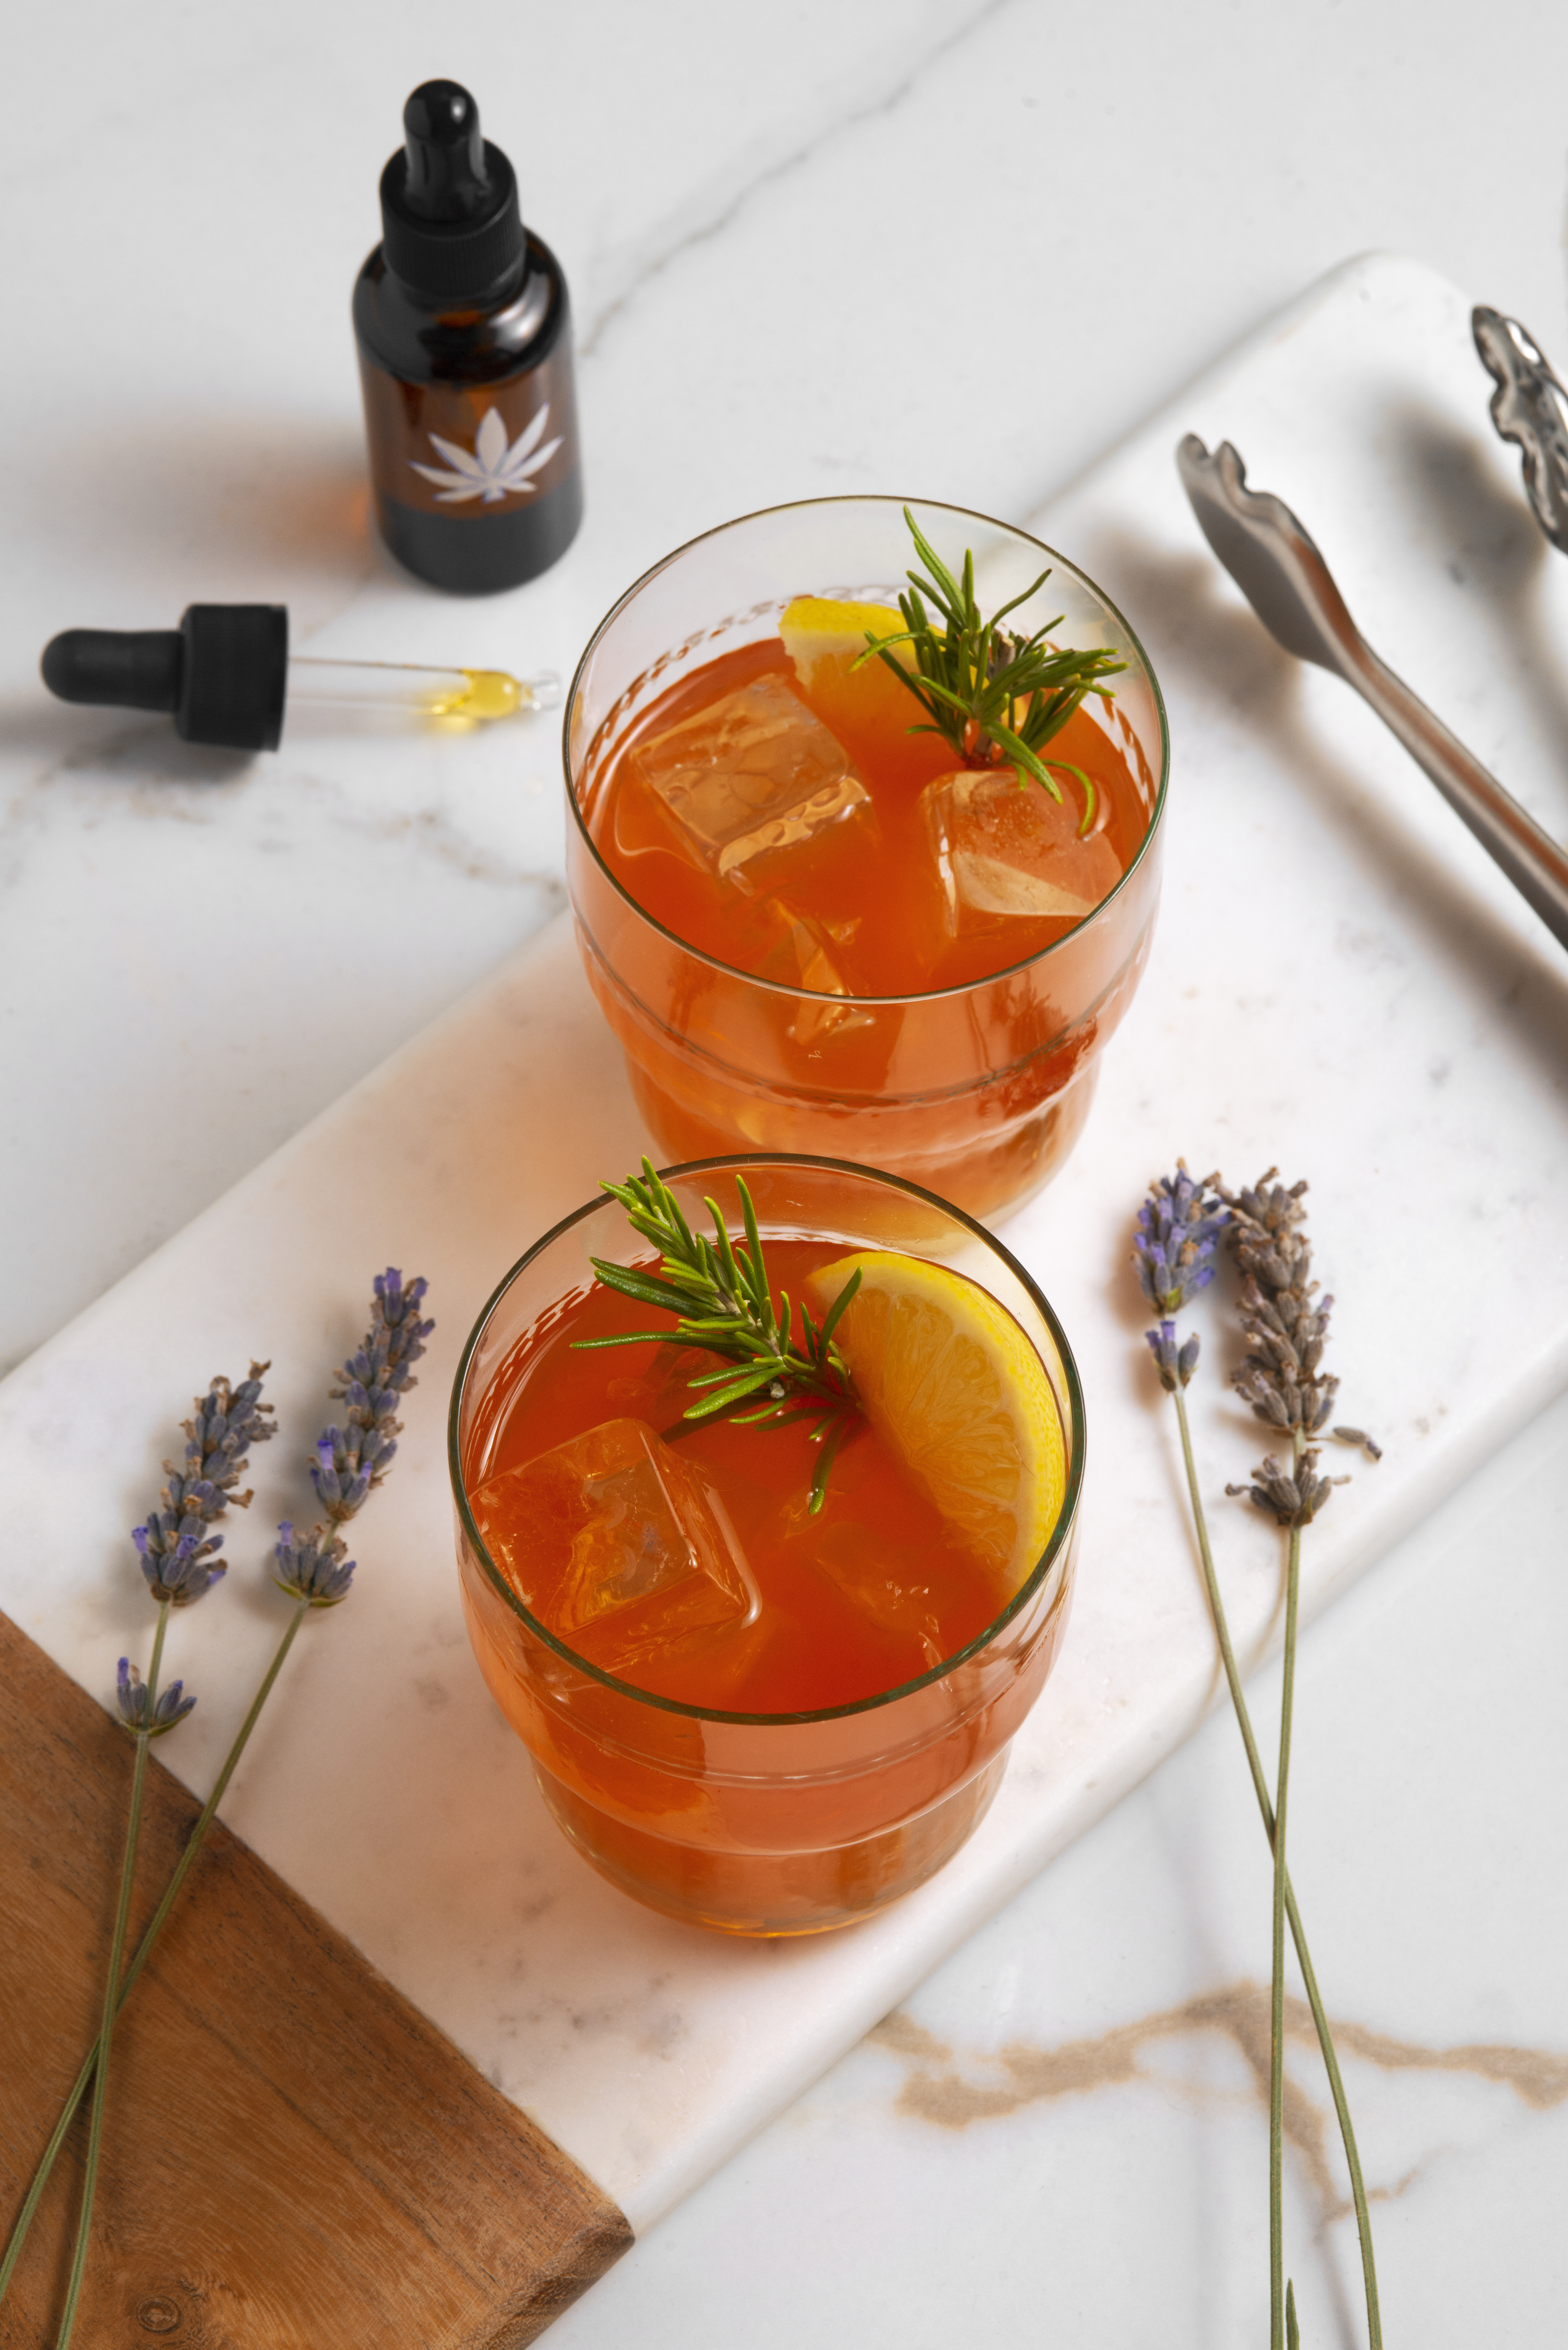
(486, 693)
(249, 676)
(470, 696)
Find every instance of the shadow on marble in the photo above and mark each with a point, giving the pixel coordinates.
(110, 746)
(254, 508)
(1222, 654)
(117, 745)
(1450, 485)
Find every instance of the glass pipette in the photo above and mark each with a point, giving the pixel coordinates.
(225, 676)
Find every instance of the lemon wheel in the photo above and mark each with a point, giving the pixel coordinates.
(951, 1382)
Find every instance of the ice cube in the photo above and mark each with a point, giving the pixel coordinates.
(1003, 850)
(752, 772)
(616, 1543)
(885, 1581)
(801, 955)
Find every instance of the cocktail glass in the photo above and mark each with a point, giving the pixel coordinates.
(976, 1092)
(760, 1823)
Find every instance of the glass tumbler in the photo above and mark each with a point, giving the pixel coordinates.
(760, 1823)
(976, 1092)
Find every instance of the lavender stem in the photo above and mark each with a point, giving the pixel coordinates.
(144, 1948)
(1277, 1986)
(1298, 1933)
(112, 1988)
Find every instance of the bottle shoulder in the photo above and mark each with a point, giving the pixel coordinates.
(419, 345)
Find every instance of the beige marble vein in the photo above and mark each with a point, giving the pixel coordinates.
(940, 2083)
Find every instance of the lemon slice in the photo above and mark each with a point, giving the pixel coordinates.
(816, 629)
(823, 640)
(949, 1381)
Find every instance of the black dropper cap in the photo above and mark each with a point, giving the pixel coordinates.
(223, 672)
(450, 228)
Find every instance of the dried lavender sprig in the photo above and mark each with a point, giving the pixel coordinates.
(1283, 1378)
(1293, 1499)
(155, 1925)
(226, 1426)
(1175, 1366)
(1285, 1319)
(105, 2035)
(318, 1575)
(147, 1716)
(1277, 2281)
(1280, 1378)
(353, 1459)
(1178, 1229)
(175, 1545)
(176, 1549)
(316, 1568)
(143, 1714)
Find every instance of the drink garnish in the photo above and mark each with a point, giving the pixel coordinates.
(720, 1295)
(950, 1381)
(997, 697)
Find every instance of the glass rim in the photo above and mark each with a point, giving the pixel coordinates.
(874, 498)
(1034, 1581)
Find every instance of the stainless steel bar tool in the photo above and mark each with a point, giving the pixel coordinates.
(1279, 569)
(1528, 408)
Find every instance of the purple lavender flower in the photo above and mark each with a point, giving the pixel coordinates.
(1293, 1497)
(1285, 1319)
(1178, 1227)
(316, 1568)
(226, 1426)
(175, 1545)
(176, 1559)
(173, 1706)
(352, 1461)
(1174, 1364)
(1180, 1224)
(1286, 1323)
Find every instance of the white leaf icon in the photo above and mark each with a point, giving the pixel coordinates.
(491, 470)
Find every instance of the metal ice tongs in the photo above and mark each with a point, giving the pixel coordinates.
(1530, 409)
(1284, 578)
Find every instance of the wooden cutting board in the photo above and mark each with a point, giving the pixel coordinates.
(292, 2156)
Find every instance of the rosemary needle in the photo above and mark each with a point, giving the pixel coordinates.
(995, 695)
(723, 1299)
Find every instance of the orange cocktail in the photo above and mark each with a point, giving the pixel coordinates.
(746, 1713)
(814, 930)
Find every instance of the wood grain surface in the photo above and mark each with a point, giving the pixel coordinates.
(291, 2155)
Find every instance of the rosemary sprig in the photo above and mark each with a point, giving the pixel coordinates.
(971, 674)
(721, 1297)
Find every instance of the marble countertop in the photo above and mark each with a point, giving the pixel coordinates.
(765, 223)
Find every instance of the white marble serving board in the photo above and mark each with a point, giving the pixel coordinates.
(1340, 981)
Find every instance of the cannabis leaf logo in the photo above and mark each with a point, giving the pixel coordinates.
(491, 470)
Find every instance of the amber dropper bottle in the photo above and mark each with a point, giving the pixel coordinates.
(465, 355)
